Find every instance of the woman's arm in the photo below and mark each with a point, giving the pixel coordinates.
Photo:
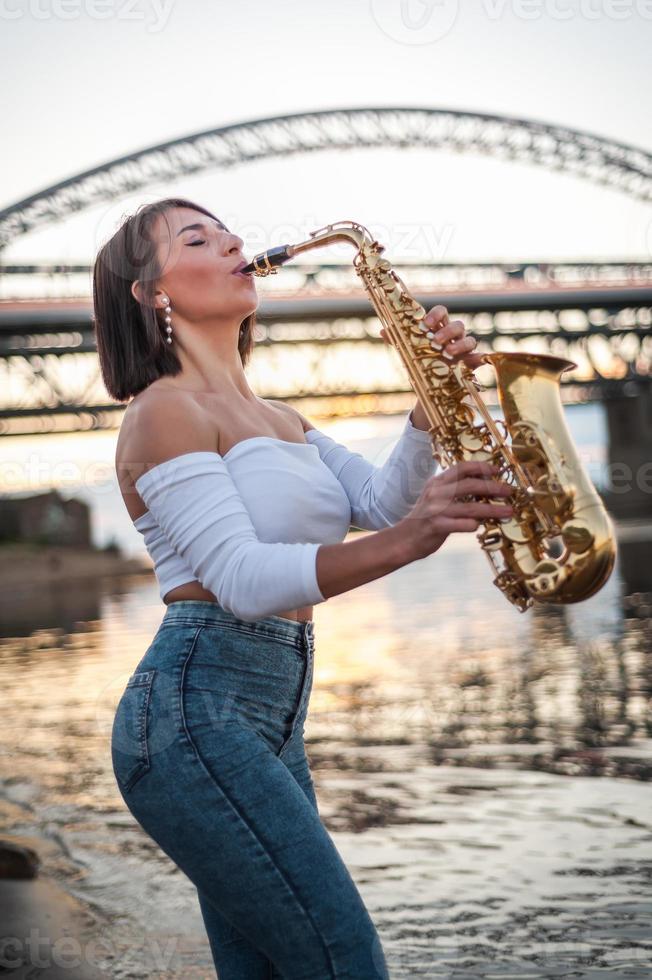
(192, 497)
(380, 496)
(186, 485)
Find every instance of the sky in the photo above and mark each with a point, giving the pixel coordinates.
(90, 80)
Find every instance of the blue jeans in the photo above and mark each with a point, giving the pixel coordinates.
(208, 753)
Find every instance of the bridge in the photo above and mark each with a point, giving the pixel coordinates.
(315, 323)
(313, 338)
(545, 144)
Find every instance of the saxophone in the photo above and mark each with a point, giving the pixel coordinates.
(559, 545)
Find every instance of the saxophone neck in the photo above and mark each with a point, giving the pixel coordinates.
(342, 231)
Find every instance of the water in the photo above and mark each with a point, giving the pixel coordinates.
(485, 774)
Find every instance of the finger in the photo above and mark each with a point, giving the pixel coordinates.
(450, 331)
(467, 467)
(473, 360)
(437, 315)
(463, 346)
(480, 511)
(472, 486)
(449, 525)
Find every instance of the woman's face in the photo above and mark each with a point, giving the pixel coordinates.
(198, 266)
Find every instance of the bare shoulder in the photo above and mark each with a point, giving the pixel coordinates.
(292, 413)
(159, 425)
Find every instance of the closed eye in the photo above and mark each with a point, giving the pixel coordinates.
(200, 242)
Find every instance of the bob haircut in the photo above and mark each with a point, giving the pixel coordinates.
(131, 341)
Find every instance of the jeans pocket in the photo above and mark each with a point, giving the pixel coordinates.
(129, 745)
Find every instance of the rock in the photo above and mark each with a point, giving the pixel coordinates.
(17, 861)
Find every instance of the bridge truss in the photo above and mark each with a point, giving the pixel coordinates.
(315, 346)
(586, 155)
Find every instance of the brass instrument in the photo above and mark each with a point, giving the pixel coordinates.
(559, 546)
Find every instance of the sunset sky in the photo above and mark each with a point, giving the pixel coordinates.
(94, 79)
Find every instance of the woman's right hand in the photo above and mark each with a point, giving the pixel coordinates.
(439, 512)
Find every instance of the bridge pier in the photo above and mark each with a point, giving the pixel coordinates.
(628, 493)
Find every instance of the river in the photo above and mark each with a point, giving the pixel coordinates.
(484, 773)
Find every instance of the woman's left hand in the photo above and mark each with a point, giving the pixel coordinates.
(458, 346)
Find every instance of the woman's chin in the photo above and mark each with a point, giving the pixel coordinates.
(248, 289)
(252, 307)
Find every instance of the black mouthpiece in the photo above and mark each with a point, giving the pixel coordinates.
(264, 263)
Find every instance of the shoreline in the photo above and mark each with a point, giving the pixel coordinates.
(47, 928)
(28, 563)
(530, 901)
(44, 926)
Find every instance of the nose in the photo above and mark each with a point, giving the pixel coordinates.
(233, 244)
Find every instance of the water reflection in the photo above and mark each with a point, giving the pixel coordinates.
(477, 683)
(454, 744)
(444, 726)
(58, 605)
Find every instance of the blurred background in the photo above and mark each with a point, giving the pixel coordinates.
(485, 773)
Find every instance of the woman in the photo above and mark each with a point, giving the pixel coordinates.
(244, 505)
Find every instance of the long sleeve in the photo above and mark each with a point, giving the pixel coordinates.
(380, 495)
(194, 500)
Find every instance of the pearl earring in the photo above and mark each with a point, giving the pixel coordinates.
(168, 319)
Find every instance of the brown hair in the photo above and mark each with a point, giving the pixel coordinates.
(131, 342)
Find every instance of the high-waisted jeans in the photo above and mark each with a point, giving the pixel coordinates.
(209, 756)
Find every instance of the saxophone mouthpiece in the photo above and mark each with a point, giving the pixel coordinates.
(267, 262)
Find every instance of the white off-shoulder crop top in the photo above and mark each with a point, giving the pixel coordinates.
(248, 524)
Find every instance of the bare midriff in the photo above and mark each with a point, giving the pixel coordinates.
(194, 590)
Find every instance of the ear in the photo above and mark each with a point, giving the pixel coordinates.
(137, 290)
(160, 300)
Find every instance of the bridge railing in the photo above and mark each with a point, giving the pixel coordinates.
(46, 280)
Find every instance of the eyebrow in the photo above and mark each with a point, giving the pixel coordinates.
(200, 225)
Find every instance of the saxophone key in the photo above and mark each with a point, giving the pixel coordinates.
(577, 536)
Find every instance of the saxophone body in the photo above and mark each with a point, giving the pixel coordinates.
(559, 545)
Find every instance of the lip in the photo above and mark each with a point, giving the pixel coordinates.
(237, 272)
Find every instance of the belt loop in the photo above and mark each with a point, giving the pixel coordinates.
(308, 634)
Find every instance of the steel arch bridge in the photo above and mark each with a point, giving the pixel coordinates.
(586, 155)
